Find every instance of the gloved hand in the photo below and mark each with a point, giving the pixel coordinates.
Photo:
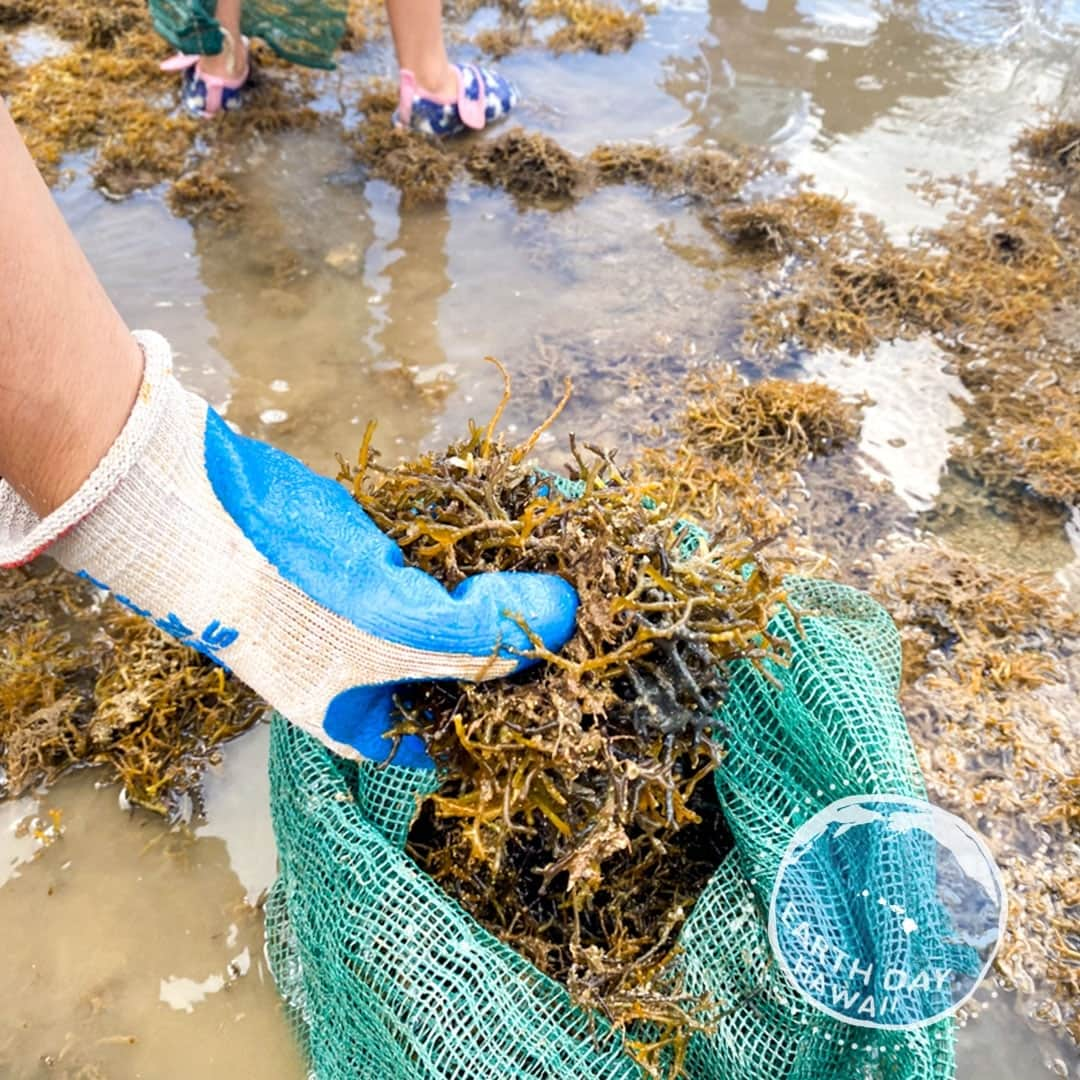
(243, 553)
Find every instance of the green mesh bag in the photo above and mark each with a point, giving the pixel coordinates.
(304, 31)
(388, 977)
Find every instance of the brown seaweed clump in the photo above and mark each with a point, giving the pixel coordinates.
(990, 676)
(1029, 437)
(998, 264)
(783, 226)
(9, 70)
(87, 683)
(1056, 145)
(601, 28)
(988, 286)
(365, 21)
(533, 167)
(708, 175)
(576, 819)
(527, 165)
(500, 41)
(104, 93)
(204, 193)
(775, 460)
(103, 97)
(422, 169)
(772, 425)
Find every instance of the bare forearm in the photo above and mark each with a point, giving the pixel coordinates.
(69, 369)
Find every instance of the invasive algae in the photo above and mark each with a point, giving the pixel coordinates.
(991, 665)
(784, 226)
(422, 169)
(1056, 144)
(96, 25)
(573, 819)
(365, 21)
(107, 96)
(528, 165)
(87, 683)
(772, 425)
(533, 167)
(9, 70)
(500, 41)
(1028, 438)
(582, 25)
(88, 97)
(707, 175)
(993, 268)
(601, 28)
(635, 163)
(985, 286)
(204, 193)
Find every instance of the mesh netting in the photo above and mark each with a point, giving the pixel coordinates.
(388, 977)
(304, 31)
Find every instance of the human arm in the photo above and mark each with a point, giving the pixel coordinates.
(116, 470)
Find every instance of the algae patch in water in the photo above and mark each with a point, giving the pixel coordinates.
(533, 167)
(582, 25)
(421, 168)
(1027, 437)
(984, 286)
(106, 95)
(500, 41)
(84, 682)
(203, 193)
(989, 656)
(709, 175)
(366, 21)
(783, 226)
(577, 818)
(9, 70)
(993, 268)
(1056, 144)
(772, 424)
(527, 165)
(601, 28)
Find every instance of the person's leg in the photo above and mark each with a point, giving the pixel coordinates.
(229, 63)
(69, 368)
(416, 26)
(435, 96)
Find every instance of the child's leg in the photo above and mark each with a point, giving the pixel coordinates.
(436, 97)
(418, 41)
(230, 61)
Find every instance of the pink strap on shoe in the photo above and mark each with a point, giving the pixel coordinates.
(215, 85)
(406, 92)
(179, 62)
(473, 113)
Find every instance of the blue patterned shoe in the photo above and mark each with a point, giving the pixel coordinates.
(483, 97)
(204, 95)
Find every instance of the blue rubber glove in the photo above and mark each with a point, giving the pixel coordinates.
(243, 553)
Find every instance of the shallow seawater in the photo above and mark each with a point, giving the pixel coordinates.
(134, 948)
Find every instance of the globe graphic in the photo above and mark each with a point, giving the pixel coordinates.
(887, 911)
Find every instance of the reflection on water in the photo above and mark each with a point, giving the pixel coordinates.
(905, 436)
(326, 305)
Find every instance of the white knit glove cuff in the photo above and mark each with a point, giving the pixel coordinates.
(23, 534)
(241, 552)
